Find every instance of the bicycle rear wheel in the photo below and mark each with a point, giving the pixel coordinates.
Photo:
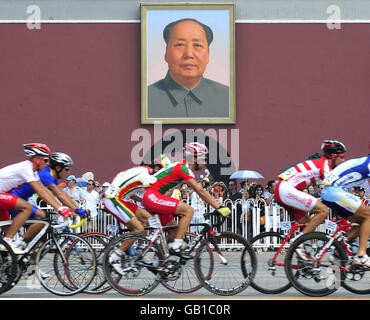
(184, 280)
(8, 267)
(133, 276)
(270, 277)
(233, 264)
(98, 242)
(310, 276)
(69, 272)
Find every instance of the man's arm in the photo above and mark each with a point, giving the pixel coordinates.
(206, 197)
(63, 196)
(45, 194)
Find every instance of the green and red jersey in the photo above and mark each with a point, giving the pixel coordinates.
(171, 176)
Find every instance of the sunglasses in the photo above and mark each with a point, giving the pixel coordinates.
(67, 169)
(90, 184)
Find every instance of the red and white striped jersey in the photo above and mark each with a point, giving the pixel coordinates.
(306, 173)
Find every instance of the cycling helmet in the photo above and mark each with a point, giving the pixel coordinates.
(195, 149)
(36, 149)
(333, 147)
(60, 159)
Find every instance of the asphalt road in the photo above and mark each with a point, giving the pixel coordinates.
(32, 289)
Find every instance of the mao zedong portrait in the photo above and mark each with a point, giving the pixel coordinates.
(184, 92)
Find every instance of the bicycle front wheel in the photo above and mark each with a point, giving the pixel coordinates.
(134, 274)
(357, 277)
(66, 266)
(270, 276)
(233, 263)
(184, 280)
(315, 264)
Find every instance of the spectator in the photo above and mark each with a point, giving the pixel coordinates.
(244, 190)
(318, 193)
(199, 209)
(351, 190)
(91, 202)
(256, 193)
(305, 190)
(73, 190)
(234, 195)
(311, 189)
(97, 186)
(185, 193)
(274, 219)
(104, 187)
(269, 193)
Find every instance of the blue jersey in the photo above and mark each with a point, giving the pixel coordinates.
(349, 173)
(25, 191)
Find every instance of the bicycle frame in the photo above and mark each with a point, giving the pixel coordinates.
(339, 234)
(294, 228)
(47, 226)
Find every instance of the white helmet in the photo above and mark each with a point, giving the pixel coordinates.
(60, 159)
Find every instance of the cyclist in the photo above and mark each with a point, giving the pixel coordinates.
(155, 200)
(117, 202)
(288, 191)
(15, 175)
(58, 168)
(350, 173)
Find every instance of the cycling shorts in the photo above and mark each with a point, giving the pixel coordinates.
(122, 210)
(298, 202)
(7, 202)
(156, 202)
(344, 203)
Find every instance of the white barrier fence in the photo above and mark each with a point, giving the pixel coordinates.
(248, 218)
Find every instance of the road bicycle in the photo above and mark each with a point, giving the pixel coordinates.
(328, 262)
(271, 248)
(224, 262)
(65, 263)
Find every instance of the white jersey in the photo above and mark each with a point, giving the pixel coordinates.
(130, 181)
(15, 175)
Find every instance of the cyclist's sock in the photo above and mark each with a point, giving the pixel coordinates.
(117, 254)
(177, 243)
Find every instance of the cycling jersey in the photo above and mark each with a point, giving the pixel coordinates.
(288, 189)
(11, 177)
(306, 173)
(126, 183)
(349, 173)
(172, 175)
(15, 175)
(154, 199)
(25, 191)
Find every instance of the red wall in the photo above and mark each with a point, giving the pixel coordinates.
(76, 87)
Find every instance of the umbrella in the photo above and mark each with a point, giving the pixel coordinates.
(246, 174)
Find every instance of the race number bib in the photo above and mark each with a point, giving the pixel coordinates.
(285, 225)
(288, 174)
(111, 192)
(330, 225)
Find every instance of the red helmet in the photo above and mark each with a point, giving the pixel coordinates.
(36, 149)
(195, 149)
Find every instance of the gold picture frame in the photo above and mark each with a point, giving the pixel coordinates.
(212, 100)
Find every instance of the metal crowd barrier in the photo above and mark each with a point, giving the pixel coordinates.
(245, 219)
